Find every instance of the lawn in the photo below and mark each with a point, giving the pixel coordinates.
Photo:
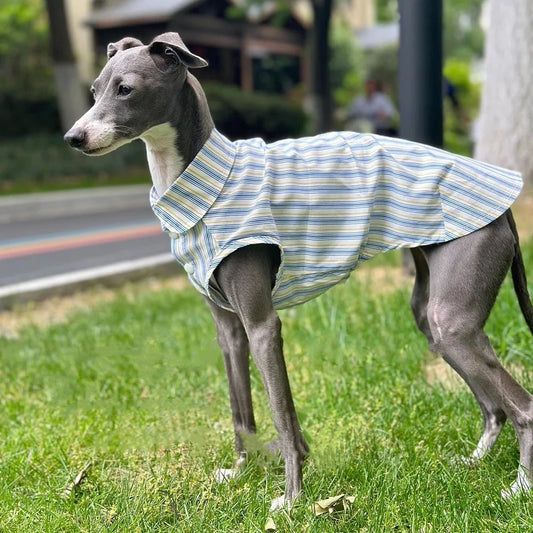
(132, 386)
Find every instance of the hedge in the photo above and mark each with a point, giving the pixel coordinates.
(241, 115)
(236, 114)
(21, 117)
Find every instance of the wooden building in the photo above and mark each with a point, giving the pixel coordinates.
(257, 49)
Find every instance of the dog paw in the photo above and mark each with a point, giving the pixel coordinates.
(283, 503)
(464, 460)
(223, 475)
(278, 503)
(520, 486)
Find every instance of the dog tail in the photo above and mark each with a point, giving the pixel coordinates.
(518, 273)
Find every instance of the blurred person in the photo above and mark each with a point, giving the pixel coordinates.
(374, 112)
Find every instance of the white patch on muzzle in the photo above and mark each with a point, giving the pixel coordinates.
(100, 136)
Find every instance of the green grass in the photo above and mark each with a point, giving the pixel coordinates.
(136, 387)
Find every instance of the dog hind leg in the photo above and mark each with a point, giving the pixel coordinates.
(465, 277)
(493, 417)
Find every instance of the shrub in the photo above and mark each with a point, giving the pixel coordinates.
(346, 65)
(25, 63)
(241, 115)
(53, 164)
(457, 119)
(20, 116)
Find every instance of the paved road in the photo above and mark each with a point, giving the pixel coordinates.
(51, 248)
(37, 248)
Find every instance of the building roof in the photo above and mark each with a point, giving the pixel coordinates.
(132, 12)
(129, 12)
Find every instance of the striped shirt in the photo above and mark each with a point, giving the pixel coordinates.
(328, 203)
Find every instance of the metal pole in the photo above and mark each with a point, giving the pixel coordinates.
(420, 71)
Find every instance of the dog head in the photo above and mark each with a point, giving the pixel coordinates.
(138, 88)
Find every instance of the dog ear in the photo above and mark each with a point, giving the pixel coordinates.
(123, 44)
(171, 52)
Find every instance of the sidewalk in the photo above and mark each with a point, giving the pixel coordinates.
(40, 206)
(19, 207)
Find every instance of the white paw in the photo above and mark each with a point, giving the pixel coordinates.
(521, 485)
(467, 461)
(278, 503)
(460, 461)
(223, 475)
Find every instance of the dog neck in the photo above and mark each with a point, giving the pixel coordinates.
(164, 160)
(170, 147)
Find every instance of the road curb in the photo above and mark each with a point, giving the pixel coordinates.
(109, 275)
(16, 208)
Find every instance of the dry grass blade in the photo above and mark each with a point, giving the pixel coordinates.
(77, 481)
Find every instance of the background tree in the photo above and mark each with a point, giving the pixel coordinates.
(27, 92)
(504, 131)
(25, 68)
(462, 36)
(71, 96)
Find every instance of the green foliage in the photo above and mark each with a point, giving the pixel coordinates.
(41, 162)
(457, 119)
(346, 65)
(25, 66)
(386, 10)
(468, 92)
(137, 387)
(463, 35)
(276, 74)
(20, 116)
(27, 92)
(240, 115)
(249, 9)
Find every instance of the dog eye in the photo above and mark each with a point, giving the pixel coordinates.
(124, 90)
(93, 92)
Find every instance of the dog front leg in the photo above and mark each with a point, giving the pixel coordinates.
(266, 346)
(233, 341)
(246, 278)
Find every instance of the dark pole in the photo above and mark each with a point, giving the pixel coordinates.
(420, 71)
(320, 78)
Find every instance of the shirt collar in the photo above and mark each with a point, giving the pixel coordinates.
(195, 190)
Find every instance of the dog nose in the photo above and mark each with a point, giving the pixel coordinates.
(75, 137)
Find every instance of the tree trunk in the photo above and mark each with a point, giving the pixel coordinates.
(71, 96)
(321, 101)
(504, 133)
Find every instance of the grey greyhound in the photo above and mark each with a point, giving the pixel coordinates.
(148, 92)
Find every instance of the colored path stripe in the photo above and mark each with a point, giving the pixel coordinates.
(71, 241)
